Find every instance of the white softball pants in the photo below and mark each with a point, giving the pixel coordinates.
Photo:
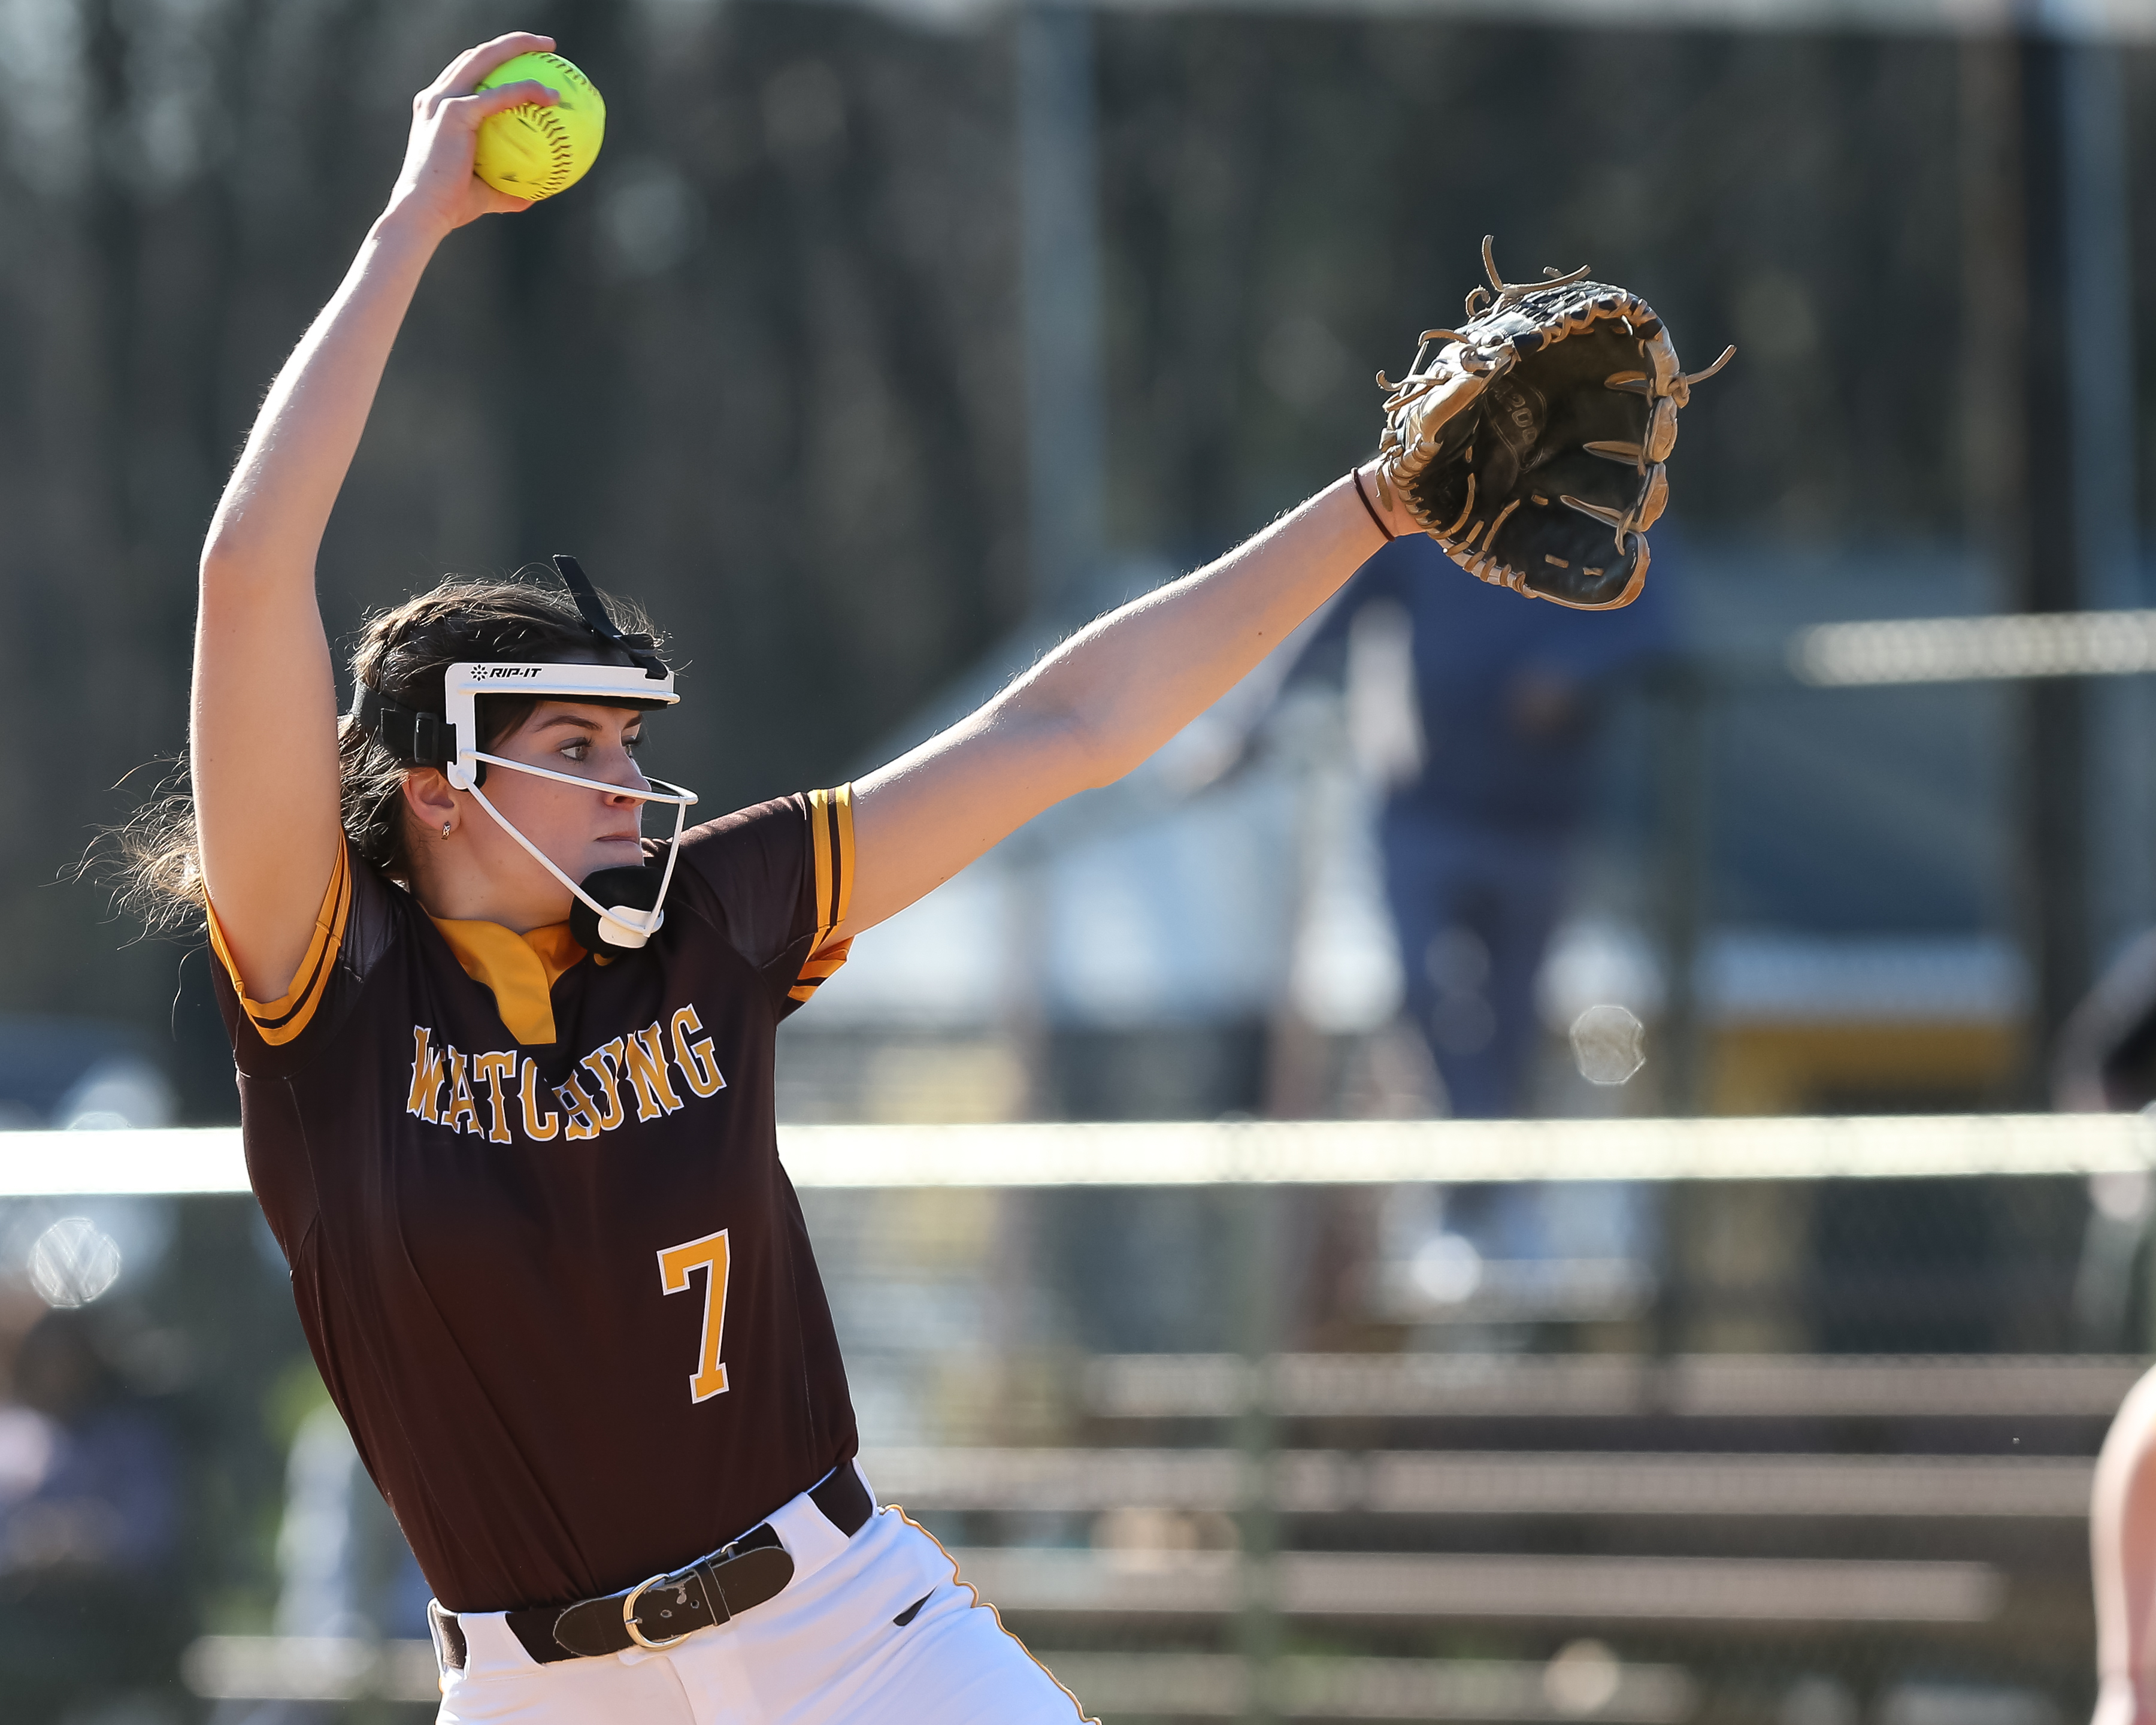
(827, 1650)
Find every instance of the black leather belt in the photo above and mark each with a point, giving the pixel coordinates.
(735, 1578)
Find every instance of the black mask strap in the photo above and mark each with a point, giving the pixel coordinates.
(424, 739)
(594, 614)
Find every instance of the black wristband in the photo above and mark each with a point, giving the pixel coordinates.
(1377, 520)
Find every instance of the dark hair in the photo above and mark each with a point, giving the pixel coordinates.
(403, 653)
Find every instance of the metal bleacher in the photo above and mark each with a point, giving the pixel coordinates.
(1478, 1538)
(1678, 1509)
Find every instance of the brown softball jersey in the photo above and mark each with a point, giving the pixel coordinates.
(540, 1242)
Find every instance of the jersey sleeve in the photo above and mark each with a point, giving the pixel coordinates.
(781, 875)
(272, 1037)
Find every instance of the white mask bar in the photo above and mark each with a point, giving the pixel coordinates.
(624, 924)
(617, 685)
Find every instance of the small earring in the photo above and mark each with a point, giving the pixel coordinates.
(445, 830)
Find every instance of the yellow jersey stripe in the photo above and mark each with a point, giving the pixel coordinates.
(831, 847)
(831, 832)
(278, 1021)
(820, 849)
(821, 964)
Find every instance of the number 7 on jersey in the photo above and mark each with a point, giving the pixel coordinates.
(708, 1255)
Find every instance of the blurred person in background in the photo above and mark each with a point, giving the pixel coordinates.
(1488, 785)
(344, 1571)
(89, 1530)
(342, 1567)
(2105, 1061)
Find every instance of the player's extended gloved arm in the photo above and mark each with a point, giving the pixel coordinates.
(1530, 442)
(1530, 446)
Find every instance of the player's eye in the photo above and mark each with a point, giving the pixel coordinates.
(577, 751)
(632, 744)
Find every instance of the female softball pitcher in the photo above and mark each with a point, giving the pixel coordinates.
(507, 1065)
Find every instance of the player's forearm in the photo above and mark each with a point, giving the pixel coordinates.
(269, 521)
(1097, 705)
(1127, 684)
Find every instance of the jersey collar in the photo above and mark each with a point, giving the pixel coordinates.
(519, 969)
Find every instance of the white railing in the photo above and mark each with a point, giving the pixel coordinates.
(1979, 649)
(184, 1161)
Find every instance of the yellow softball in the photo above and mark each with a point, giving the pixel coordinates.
(533, 152)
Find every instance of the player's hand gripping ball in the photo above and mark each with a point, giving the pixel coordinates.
(1531, 444)
(533, 152)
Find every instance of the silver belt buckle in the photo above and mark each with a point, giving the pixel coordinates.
(628, 1617)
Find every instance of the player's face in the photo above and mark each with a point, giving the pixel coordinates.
(581, 830)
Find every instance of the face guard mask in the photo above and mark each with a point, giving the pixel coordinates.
(615, 908)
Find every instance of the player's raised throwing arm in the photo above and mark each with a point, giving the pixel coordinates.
(263, 740)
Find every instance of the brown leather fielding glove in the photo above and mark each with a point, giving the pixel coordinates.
(1531, 445)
